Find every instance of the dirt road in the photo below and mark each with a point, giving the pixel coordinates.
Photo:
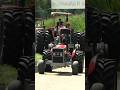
(60, 79)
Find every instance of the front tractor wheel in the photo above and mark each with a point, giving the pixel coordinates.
(97, 86)
(41, 67)
(75, 67)
(48, 68)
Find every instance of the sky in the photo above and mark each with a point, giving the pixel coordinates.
(67, 4)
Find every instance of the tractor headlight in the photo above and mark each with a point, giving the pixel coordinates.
(50, 45)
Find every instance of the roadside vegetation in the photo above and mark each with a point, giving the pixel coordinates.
(77, 22)
(7, 74)
(38, 57)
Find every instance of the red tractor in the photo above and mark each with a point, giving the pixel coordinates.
(62, 51)
(103, 54)
(60, 54)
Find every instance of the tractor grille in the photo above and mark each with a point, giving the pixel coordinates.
(57, 59)
(58, 56)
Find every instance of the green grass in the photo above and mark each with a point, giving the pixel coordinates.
(7, 74)
(38, 57)
(77, 22)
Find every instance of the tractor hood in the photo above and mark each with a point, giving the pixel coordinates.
(60, 46)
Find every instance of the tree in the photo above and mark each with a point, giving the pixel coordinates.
(42, 8)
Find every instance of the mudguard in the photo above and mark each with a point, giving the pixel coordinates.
(73, 54)
(92, 65)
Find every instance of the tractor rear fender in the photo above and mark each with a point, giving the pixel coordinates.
(73, 54)
(92, 64)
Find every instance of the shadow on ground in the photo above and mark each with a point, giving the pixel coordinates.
(59, 73)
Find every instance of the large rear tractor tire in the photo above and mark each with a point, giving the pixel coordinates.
(80, 67)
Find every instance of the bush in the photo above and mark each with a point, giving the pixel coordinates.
(7, 74)
(38, 57)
